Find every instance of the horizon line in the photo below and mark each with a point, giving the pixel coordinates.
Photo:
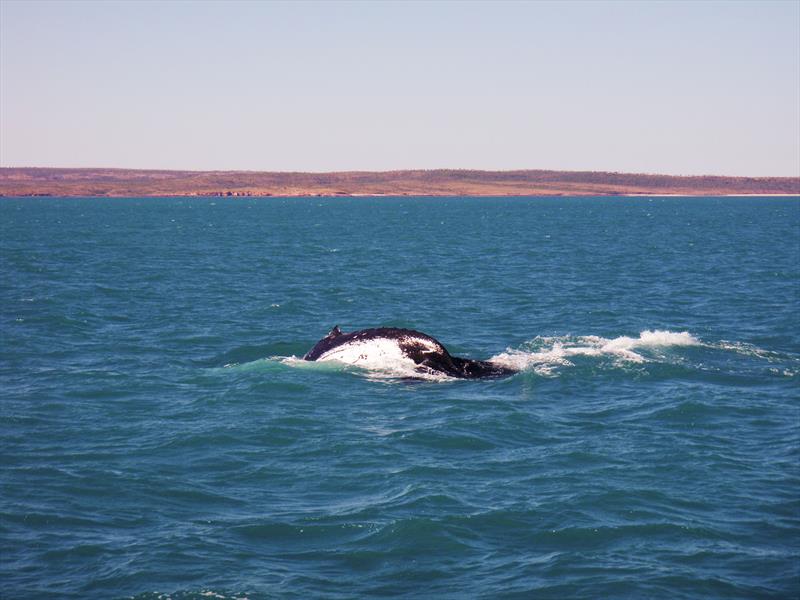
(401, 170)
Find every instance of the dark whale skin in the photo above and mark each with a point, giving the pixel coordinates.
(410, 342)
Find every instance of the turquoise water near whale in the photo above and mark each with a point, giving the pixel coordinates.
(158, 440)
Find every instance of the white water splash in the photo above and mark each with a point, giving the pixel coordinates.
(544, 354)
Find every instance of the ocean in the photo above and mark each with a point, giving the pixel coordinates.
(161, 438)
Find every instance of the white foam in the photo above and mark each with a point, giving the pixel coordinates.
(625, 345)
(545, 354)
(298, 362)
(667, 338)
(746, 349)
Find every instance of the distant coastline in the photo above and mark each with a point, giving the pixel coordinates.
(34, 181)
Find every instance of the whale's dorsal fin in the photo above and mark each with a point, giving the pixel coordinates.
(335, 332)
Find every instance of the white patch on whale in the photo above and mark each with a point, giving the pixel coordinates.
(384, 355)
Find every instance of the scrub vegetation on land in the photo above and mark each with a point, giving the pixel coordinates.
(440, 182)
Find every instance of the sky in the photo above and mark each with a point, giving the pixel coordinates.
(649, 87)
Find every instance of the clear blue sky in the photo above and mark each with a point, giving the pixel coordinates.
(669, 87)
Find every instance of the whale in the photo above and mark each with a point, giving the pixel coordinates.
(373, 347)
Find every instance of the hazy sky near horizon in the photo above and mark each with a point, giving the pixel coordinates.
(668, 87)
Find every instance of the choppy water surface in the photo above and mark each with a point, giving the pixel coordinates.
(159, 440)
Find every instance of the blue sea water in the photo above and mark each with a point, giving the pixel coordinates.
(158, 441)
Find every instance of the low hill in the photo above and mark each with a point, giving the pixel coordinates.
(441, 182)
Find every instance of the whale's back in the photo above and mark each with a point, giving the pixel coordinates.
(382, 346)
(347, 347)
